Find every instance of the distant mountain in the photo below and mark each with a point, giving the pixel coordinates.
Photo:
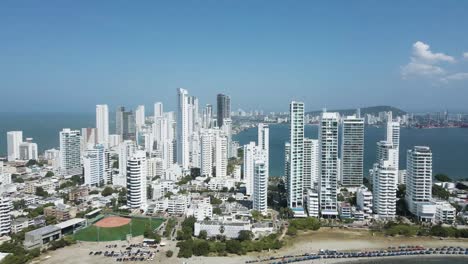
(373, 110)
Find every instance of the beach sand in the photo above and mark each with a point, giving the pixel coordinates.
(309, 242)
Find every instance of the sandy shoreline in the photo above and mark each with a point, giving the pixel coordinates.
(310, 242)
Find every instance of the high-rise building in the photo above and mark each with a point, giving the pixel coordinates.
(102, 124)
(96, 164)
(28, 150)
(14, 139)
(5, 218)
(328, 153)
(393, 136)
(125, 124)
(207, 118)
(158, 110)
(126, 149)
(223, 108)
(140, 116)
(260, 185)
(70, 152)
(296, 159)
(385, 176)
(183, 129)
(311, 164)
(352, 151)
(418, 178)
(264, 140)
(221, 155)
(88, 138)
(136, 180)
(249, 154)
(206, 154)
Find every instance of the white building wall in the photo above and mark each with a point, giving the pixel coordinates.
(102, 124)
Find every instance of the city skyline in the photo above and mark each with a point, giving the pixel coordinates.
(330, 56)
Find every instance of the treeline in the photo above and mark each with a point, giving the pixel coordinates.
(393, 229)
(202, 246)
(309, 223)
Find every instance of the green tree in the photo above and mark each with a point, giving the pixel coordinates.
(245, 235)
(21, 204)
(201, 248)
(442, 177)
(107, 191)
(40, 192)
(203, 234)
(169, 253)
(440, 192)
(231, 199)
(217, 211)
(234, 247)
(49, 174)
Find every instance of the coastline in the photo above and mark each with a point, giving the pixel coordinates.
(306, 242)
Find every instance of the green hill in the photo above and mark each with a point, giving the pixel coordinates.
(373, 110)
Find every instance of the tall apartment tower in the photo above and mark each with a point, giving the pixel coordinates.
(5, 218)
(352, 151)
(126, 150)
(221, 155)
(183, 129)
(260, 185)
(385, 177)
(140, 116)
(393, 136)
(136, 180)
(28, 150)
(70, 152)
(311, 163)
(296, 159)
(328, 152)
(14, 139)
(418, 177)
(125, 124)
(249, 154)
(264, 140)
(207, 116)
(206, 154)
(223, 107)
(102, 124)
(158, 110)
(96, 166)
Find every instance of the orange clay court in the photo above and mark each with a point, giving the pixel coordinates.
(113, 221)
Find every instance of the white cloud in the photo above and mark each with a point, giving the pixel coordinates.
(422, 52)
(424, 62)
(415, 68)
(465, 55)
(456, 77)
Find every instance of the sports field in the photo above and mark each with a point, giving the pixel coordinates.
(136, 225)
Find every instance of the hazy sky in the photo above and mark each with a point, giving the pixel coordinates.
(70, 55)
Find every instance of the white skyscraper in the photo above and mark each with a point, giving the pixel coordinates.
(206, 154)
(102, 124)
(14, 139)
(260, 185)
(126, 150)
(393, 136)
(296, 152)
(183, 129)
(221, 155)
(352, 151)
(328, 152)
(96, 166)
(158, 110)
(264, 140)
(140, 116)
(28, 150)
(136, 180)
(418, 178)
(311, 163)
(70, 152)
(5, 218)
(385, 176)
(249, 154)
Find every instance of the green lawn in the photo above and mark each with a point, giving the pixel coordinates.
(90, 233)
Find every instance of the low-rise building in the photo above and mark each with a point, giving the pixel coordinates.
(364, 201)
(312, 203)
(61, 212)
(41, 237)
(18, 224)
(228, 229)
(445, 213)
(345, 210)
(77, 194)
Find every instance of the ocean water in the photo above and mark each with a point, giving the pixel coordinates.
(449, 146)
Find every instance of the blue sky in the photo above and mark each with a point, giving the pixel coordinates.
(70, 55)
